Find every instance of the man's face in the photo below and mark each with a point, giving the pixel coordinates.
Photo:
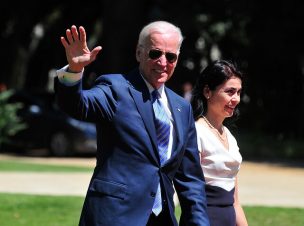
(156, 67)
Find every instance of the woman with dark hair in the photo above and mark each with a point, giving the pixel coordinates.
(215, 97)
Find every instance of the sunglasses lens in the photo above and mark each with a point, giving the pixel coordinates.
(155, 54)
(171, 57)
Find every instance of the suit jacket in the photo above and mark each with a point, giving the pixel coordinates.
(128, 170)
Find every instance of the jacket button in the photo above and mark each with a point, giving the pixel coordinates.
(153, 194)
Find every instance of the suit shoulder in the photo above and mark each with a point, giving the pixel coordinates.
(181, 100)
(111, 79)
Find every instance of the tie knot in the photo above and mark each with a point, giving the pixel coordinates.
(155, 95)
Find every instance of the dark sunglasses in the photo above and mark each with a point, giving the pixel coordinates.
(156, 54)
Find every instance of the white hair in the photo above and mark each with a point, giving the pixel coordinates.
(159, 26)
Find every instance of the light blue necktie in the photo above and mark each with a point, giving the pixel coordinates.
(162, 125)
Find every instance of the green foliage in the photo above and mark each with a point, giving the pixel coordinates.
(262, 146)
(10, 123)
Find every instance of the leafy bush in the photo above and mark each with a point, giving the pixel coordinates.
(261, 146)
(10, 123)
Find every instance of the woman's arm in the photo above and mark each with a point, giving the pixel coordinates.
(240, 215)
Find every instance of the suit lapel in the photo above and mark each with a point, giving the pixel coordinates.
(176, 111)
(141, 96)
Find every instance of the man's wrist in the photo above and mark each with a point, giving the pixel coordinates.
(68, 78)
(70, 70)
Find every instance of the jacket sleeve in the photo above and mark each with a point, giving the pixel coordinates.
(190, 184)
(88, 105)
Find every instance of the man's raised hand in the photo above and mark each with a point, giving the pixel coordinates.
(76, 49)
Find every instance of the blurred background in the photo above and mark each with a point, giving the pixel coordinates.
(264, 38)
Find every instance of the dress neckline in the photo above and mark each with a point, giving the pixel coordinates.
(204, 125)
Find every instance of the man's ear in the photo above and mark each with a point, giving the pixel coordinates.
(138, 54)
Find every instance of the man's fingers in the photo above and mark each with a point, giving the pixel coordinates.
(74, 40)
(82, 36)
(64, 42)
(69, 36)
(95, 51)
(74, 33)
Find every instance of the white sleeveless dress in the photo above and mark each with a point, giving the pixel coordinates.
(220, 167)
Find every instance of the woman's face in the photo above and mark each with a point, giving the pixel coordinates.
(223, 100)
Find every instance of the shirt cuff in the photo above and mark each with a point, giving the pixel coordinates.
(68, 78)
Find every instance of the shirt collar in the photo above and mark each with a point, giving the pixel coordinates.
(161, 89)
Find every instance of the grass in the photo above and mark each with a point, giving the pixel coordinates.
(270, 216)
(37, 210)
(21, 166)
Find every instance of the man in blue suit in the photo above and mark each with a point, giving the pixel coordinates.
(129, 176)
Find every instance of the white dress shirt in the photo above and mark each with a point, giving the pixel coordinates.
(163, 99)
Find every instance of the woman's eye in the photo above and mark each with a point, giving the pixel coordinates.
(233, 91)
(230, 91)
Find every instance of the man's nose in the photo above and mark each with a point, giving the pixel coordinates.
(162, 60)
